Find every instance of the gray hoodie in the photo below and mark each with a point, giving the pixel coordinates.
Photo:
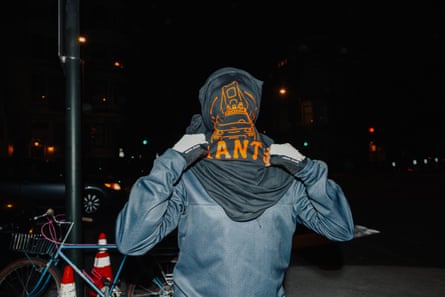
(220, 256)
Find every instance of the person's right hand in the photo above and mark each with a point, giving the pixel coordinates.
(286, 156)
(192, 147)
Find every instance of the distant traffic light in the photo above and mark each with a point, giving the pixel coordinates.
(371, 130)
(305, 144)
(144, 141)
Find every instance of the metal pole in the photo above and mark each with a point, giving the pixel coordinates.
(69, 53)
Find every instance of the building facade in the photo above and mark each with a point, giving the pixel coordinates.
(33, 107)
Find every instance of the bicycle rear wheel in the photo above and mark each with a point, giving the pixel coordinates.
(152, 289)
(20, 277)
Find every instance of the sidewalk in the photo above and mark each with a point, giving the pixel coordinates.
(381, 265)
(365, 281)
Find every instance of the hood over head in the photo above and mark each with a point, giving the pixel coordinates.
(234, 172)
(230, 102)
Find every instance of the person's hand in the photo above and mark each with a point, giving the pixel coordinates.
(192, 147)
(286, 156)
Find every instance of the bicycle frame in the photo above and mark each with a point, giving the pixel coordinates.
(44, 252)
(60, 252)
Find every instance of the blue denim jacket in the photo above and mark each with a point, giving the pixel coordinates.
(220, 257)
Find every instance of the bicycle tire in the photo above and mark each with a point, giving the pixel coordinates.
(149, 290)
(20, 276)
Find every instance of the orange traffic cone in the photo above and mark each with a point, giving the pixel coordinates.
(68, 286)
(102, 271)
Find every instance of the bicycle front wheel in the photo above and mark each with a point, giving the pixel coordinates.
(21, 277)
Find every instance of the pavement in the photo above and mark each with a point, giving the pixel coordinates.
(367, 266)
(404, 257)
(365, 281)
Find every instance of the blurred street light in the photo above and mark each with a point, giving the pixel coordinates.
(81, 39)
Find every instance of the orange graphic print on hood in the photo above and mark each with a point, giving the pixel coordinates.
(234, 173)
(229, 108)
(231, 116)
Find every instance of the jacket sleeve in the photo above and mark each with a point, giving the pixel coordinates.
(324, 207)
(153, 207)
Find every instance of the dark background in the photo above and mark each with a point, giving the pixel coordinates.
(379, 65)
(376, 65)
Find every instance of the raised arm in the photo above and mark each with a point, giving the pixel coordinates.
(156, 200)
(324, 208)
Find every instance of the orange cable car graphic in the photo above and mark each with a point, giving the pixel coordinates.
(233, 120)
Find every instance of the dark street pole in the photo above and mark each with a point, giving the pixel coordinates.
(69, 53)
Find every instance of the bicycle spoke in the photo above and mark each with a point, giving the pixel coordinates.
(21, 278)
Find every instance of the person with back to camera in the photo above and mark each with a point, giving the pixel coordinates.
(235, 197)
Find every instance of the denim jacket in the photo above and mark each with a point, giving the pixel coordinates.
(220, 257)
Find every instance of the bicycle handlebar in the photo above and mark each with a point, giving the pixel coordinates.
(49, 212)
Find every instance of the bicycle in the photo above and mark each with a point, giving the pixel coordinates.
(37, 274)
(164, 261)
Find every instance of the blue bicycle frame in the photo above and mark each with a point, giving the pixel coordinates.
(60, 253)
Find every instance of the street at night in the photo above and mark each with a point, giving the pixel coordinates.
(402, 257)
(405, 259)
(100, 89)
